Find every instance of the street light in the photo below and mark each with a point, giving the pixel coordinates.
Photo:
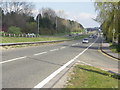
(113, 35)
(38, 24)
(56, 23)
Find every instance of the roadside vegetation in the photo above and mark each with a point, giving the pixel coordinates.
(35, 39)
(84, 76)
(114, 48)
(109, 18)
(41, 38)
(20, 19)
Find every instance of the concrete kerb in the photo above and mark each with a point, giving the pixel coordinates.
(107, 53)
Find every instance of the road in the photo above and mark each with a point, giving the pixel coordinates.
(31, 67)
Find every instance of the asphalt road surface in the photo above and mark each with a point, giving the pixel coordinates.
(34, 66)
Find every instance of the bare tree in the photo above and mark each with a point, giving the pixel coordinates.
(18, 7)
(48, 12)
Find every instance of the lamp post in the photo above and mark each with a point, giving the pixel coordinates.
(113, 35)
(56, 24)
(38, 24)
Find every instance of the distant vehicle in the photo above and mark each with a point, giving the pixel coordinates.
(95, 36)
(85, 40)
(90, 36)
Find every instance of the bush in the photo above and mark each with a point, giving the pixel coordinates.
(14, 30)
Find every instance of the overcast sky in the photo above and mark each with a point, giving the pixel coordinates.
(82, 12)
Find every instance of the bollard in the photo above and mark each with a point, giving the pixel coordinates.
(9, 35)
(14, 35)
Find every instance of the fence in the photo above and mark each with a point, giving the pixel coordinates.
(18, 35)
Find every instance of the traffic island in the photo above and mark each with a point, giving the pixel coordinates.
(84, 76)
(106, 49)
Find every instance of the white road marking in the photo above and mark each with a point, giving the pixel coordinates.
(73, 44)
(91, 65)
(12, 60)
(46, 80)
(85, 63)
(54, 50)
(39, 53)
(62, 47)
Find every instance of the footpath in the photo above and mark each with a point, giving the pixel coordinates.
(105, 48)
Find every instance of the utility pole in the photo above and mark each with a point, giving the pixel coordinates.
(113, 35)
(56, 24)
(38, 24)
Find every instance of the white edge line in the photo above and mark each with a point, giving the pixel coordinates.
(12, 60)
(39, 53)
(46, 80)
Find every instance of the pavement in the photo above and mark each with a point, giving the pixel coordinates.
(43, 66)
(105, 48)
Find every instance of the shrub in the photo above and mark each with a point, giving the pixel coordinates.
(14, 30)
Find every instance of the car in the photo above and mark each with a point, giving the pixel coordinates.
(95, 36)
(90, 36)
(85, 40)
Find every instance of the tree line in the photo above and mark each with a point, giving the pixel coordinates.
(109, 18)
(17, 18)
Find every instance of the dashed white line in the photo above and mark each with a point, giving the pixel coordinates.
(54, 49)
(12, 60)
(46, 80)
(73, 44)
(39, 53)
(62, 47)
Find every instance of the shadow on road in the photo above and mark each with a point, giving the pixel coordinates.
(46, 61)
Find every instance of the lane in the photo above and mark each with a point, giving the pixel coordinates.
(28, 51)
(99, 60)
(29, 71)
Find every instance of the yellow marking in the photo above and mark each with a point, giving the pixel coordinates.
(108, 56)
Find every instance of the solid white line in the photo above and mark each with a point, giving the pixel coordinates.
(12, 60)
(54, 50)
(39, 53)
(46, 80)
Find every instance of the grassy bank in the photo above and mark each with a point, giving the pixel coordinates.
(35, 39)
(84, 76)
(23, 39)
(114, 48)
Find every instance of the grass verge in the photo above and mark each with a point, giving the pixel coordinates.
(84, 76)
(23, 39)
(80, 37)
(35, 39)
(42, 38)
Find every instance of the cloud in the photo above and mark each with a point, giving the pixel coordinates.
(86, 15)
(86, 19)
(82, 16)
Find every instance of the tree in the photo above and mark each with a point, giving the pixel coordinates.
(31, 27)
(14, 30)
(109, 17)
(18, 7)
